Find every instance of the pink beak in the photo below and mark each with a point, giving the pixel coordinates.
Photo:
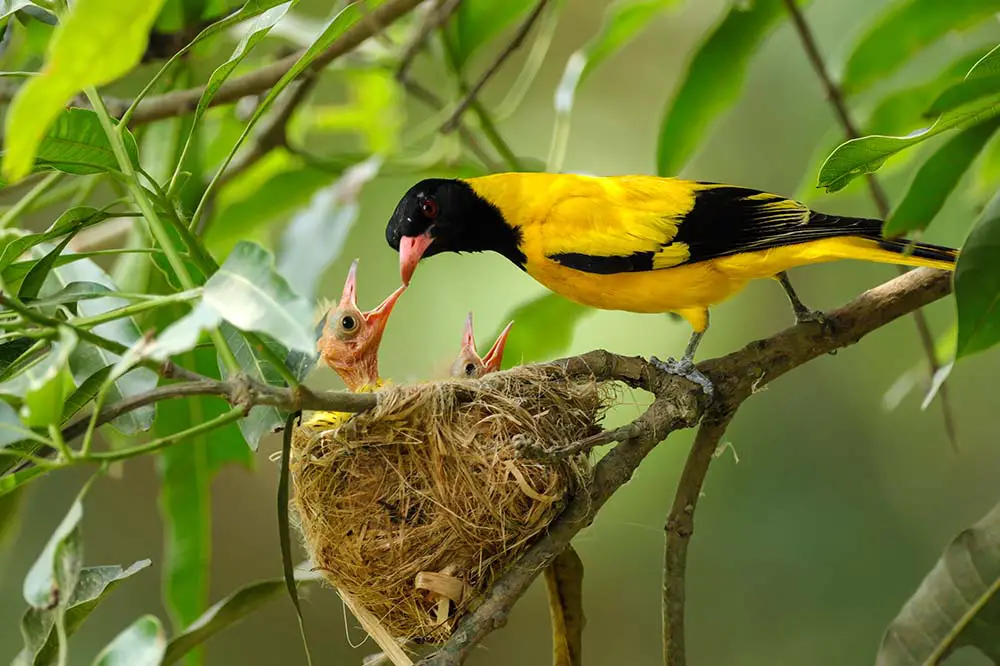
(411, 249)
(494, 357)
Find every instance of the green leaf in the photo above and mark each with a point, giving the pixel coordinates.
(36, 277)
(964, 92)
(11, 428)
(37, 627)
(255, 30)
(96, 42)
(977, 285)
(11, 482)
(956, 605)
(252, 296)
(867, 154)
(337, 26)
(53, 577)
(48, 383)
(937, 178)
(88, 358)
(12, 352)
(8, 7)
(713, 80)
(903, 30)
(262, 419)
(76, 143)
(622, 21)
(543, 328)
(284, 528)
(86, 392)
(74, 292)
(227, 613)
(142, 644)
(186, 471)
(330, 216)
(476, 23)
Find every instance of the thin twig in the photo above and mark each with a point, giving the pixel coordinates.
(680, 527)
(680, 404)
(182, 102)
(435, 18)
(470, 96)
(836, 97)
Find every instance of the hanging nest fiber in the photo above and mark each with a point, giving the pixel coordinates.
(415, 507)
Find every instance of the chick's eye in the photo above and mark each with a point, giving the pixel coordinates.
(348, 323)
(470, 369)
(429, 208)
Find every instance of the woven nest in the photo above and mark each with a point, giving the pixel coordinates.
(416, 507)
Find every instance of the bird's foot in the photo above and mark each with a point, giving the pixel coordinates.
(684, 368)
(807, 316)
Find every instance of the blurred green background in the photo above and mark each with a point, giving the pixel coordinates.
(804, 549)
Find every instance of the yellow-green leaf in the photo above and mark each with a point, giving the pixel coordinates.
(97, 42)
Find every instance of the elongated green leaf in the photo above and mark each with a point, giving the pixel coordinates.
(53, 577)
(262, 419)
(73, 292)
(477, 23)
(713, 80)
(11, 352)
(186, 471)
(227, 613)
(622, 21)
(16, 272)
(977, 285)
(142, 644)
(254, 32)
(8, 7)
(956, 605)
(543, 328)
(251, 295)
(95, 43)
(284, 529)
(11, 482)
(38, 627)
(86, 392)
(36, 277)
(964, 92)
(903, 30)
(936, 179)
(48, 384)
(867, 154)
(340, 23)
(76, 143)
(11, 428)
(88, 358)
(330, 216)
(70, 222)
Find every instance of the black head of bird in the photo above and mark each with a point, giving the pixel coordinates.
(469, 363)
(350, 340)
(441, 215)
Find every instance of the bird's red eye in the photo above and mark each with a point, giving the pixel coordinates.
(429, 208)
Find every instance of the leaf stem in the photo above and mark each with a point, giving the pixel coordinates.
(28, 200)
(59, 443)
(137, 308)
(232, 415)
(148, 211)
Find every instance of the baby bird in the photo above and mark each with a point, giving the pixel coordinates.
(349, 344)
(469, 363)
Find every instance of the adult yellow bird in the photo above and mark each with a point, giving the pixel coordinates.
(639, 243)
(349, 345)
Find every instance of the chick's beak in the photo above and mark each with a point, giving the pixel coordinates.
(349, 297)
(494, 357)
(468, 337)
(411, 249)
(377, 318)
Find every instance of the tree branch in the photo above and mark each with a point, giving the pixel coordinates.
(836, 97)
(181, 102)
(680, 404)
